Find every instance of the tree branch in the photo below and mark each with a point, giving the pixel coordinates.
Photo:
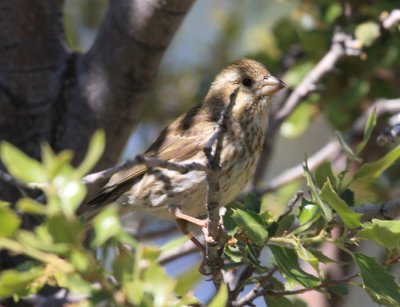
(115, 75)
(342, 45)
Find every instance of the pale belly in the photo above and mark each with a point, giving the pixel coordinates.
(161, 191)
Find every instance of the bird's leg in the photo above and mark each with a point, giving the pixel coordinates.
(183, 227)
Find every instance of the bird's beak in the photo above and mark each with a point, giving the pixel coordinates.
(270, 85)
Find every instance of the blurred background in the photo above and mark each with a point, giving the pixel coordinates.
(289, 37)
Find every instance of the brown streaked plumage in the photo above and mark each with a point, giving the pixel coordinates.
(247, 86)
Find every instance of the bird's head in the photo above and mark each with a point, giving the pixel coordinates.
(246, 81)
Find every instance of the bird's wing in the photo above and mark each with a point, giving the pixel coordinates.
(183, 139)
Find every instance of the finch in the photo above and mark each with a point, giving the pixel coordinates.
(244, 90)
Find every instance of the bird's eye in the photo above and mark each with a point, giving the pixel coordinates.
(247, 82)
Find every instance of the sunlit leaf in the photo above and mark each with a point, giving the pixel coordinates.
(221, 298)
(13, 282)
(9, 222)
(297, 73)
(297, 122)
(376, 168)
(289, 266)
(21, 166)
(345, 147)
(348, 216)
(367, 32)
(31, 206)
(369, 126)
(252, 225)
(386, 233)
(380, 284)
(95, 150)
(106, 225)
(306, 255)
(327, 212)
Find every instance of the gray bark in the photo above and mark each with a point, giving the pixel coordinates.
(49, 94)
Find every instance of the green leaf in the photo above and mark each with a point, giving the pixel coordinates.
(346, 148)
(327, 212)
(158, 284)
(348, 216)
(369, 126)
(252, 225)
(306, 255)
(234, 253)
(323, 172)
(252, 203)
(386, 233)
(9, 222)
(376, 168)
(297, 73)
(187, 281)
(21, 166)
(53, 163)
(380, 285)
(71, 192)
(272, 301)
(106, 225)
(309, 214)
(297, 122)
(287, 261)
(220, 298)
(367, 32)
(96, 149)
(14, 282)
(31, 206)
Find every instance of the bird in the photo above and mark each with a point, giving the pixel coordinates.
(238, 104)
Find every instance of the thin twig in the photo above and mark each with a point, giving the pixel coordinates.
(390, 19)
(292, 202)
(327, 153)
(254, 293)
(181, 251)
(342, 45)
(213, 260)
(261, 291)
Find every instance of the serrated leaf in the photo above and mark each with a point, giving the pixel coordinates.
(21, 166)
(376, 168)
(9, 222)
(369, 126)
(380, 284)
(367, 32)
(348, 216)
(95, 150)
(252, 225)
(345, 147)
(323, 172)
(106, 225)
(220, 298)
(289, 266)
(327, 212)
(386, 233)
